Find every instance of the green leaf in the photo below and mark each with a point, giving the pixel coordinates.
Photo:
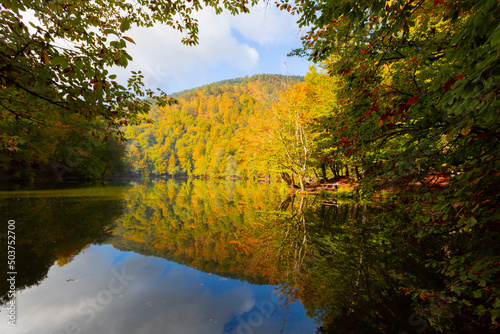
(472, 276)
(125, 25)
(471, 222)
(110, 32)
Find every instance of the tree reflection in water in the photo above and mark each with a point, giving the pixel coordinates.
(350, 273)
(351, 270)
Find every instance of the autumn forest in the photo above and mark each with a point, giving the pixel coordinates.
(400, 108)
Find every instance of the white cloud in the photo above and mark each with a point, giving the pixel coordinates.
(158, 297)
(229, 46)
(162, 58)
(267, 25)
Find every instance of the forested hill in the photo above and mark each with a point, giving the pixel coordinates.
(271, 81)
(200, 134)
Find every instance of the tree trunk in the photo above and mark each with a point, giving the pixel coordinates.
(285, 177)
(302, 183)
(358, 174)
(335, 170)
(288, 180)
(323, 171)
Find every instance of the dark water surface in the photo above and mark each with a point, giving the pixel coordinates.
(201, 257)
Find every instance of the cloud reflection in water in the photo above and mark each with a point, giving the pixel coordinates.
(104, 290)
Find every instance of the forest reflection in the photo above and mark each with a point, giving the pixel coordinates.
(351, 273)
(337, 259)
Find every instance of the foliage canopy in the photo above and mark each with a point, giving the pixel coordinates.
(417, 102)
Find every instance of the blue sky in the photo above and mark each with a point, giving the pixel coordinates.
(229, 47)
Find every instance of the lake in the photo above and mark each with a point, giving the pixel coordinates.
(202, 256)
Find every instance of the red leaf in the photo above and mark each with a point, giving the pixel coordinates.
(412, 100)
(349, 152)
(448, 85)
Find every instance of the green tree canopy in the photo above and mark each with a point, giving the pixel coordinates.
(418, 102)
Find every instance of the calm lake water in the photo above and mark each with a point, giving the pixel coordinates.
(202, 257)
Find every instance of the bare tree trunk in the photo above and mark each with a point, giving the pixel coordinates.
(286, 177)
(302, 183)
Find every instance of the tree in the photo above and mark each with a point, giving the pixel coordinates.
(283, 136)
(59, 64)
(172, 164)
(160, 159)
(231, 167)
(419, 103)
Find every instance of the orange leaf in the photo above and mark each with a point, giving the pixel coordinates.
(128, 39)
(45, 57)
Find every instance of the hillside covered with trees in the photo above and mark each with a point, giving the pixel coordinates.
(203, 134)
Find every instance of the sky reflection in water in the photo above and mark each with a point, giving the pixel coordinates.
(104, 290)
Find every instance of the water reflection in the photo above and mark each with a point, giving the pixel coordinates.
(54, 226)
(115, 289)
(197, 223)
(212, 257)
(335, 261)
(116, 292)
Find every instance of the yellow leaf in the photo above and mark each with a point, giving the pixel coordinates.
(465, 132)
(128, 39)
